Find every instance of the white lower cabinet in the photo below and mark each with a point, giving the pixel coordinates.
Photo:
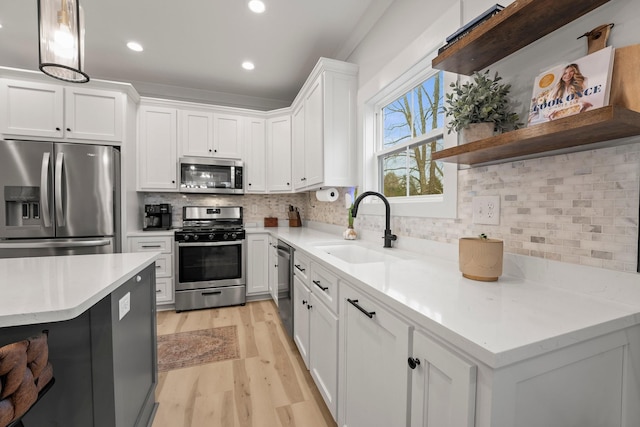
(323, 354)
(164, 263)
(301, 302)
(443, 386)
(273, 268)
(315, 329)
(258, 264)
(374, 373)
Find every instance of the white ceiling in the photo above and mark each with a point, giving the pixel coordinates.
(194, 48)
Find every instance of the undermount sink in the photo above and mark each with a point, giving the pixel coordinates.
(357, 254)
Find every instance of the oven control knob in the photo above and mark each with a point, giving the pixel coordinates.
(233, 236)
(225, 236)
(186, 237)
(210, 236)
(195, 237)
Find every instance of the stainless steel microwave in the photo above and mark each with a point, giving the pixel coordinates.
(211, 176)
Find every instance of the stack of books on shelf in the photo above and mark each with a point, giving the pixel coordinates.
(466, 29)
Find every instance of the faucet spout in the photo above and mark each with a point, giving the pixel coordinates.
(388, 236)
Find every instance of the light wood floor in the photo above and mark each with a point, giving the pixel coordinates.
(268, 386)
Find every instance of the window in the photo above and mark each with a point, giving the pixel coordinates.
(412, 129)
(403, 125)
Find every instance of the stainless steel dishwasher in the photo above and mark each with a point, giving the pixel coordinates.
(285, 285)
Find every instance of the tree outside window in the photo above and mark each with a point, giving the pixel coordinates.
(413, 129)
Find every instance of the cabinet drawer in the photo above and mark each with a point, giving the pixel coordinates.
(324, 285)
(164, 265)
(150, 244)
(301, 264)
(164, 290)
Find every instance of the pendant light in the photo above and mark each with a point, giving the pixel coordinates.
(61, 31)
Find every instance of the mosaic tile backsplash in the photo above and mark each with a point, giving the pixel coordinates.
(579, 208)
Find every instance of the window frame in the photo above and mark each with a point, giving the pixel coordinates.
(427, 206)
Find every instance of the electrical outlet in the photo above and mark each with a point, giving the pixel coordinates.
(124, 305)
(486, 210)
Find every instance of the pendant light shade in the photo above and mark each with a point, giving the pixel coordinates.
(61, 31)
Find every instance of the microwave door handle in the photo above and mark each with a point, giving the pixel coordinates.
(44, 189)
(58, 190)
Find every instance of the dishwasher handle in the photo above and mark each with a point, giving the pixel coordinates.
(284, 253)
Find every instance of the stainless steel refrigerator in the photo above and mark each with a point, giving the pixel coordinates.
(58, 199)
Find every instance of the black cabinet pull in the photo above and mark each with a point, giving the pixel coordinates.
(354, 302)
(299, 268)
(68, 130)
(57, 129)
(309, 307)
(413, 362)
(317, 283)
(304, 302)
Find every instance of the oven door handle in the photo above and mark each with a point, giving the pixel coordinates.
(195, 244)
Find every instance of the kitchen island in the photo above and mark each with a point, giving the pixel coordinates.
(100, 314)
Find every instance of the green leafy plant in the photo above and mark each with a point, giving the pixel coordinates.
(355, 194)
(482, 100)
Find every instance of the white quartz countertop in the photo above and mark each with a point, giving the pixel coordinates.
(51, 289)
(499, 323)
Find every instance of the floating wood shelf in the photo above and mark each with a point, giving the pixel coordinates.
(519, 24)
(573, 132)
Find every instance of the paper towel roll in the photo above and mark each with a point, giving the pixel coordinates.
(327, 195)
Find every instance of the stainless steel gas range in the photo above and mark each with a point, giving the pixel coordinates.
(210, 258)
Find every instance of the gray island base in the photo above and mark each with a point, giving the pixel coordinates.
(104, 360)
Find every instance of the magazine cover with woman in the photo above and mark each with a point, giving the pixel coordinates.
(572, 88)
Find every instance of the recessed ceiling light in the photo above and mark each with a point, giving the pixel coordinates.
(135, 46)
(248, 65)
(257, 6)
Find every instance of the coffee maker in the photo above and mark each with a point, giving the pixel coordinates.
(157, 217)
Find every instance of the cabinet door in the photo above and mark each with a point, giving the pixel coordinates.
(255, 164)
(297, 165)
(443, 389)
(157, 163)
(279, 154)
(301, 302)
(32, 109)
(258, 264)
(376, 376)
(94, 114)
(227, 136)
(314, 134)
(323, 356)
(273, 269)
(196, 133)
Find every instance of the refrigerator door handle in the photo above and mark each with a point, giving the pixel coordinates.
(44, 189)
(58, 190)
(40, 245)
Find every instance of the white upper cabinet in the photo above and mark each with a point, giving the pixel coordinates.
(227, 136)
(255, 161)
(157, 143)
(196, 133)
(42, 110)
(209, 134)
(279, 154)
(324, 127)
